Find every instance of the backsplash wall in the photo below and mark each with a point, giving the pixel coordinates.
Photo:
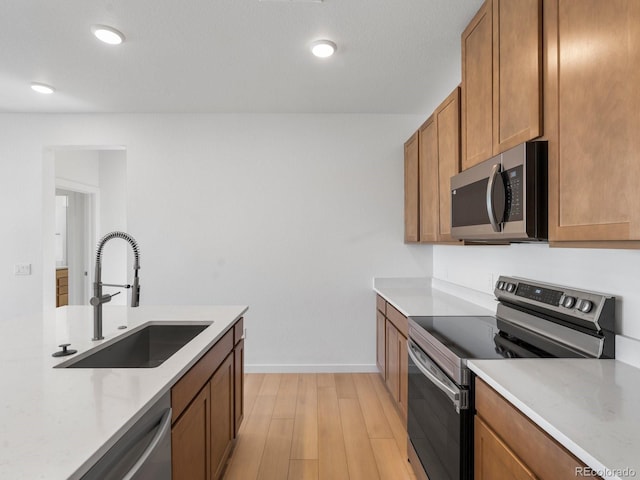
(616, 272)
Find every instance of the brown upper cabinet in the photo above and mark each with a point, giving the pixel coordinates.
(501, 78)
(431, 158)
(592, 120)
(411, 212)
(428, 180)
(439, 160)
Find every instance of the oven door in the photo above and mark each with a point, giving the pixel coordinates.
(439, 420)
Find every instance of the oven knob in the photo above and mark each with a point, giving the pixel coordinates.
(511, 287)
(569, 302)
(585, 306)
(500, 285)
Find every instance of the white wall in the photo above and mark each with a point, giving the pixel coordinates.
(610, 271)
(290, 214)
(78, 165)
(112, 167)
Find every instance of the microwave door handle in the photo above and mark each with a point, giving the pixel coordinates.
(495, 171)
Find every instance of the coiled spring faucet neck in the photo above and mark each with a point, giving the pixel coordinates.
(124, 236)
(98, 298)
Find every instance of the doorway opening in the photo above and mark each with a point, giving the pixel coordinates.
(90, 201)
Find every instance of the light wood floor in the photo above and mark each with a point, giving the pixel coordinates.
(339, 426)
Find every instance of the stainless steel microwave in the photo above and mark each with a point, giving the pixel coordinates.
(503, 198)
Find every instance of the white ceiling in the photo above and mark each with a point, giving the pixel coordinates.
(240, 56)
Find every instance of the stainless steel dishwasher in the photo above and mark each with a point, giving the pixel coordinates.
(143, 453)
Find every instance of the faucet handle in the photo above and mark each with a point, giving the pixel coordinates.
(95, 301)
(115, 285)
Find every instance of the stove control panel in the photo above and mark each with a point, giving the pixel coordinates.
(591, 309)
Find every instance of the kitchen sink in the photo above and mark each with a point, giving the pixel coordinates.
(148, 347)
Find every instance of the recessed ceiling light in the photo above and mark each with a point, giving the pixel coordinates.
(42, 88)
(107, 34)
(323, 48)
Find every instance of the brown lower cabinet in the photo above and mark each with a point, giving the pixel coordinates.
(391, 352)
(62, 287)
(509, 445)
(207, 410)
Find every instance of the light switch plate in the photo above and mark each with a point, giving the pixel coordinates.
(22, 269)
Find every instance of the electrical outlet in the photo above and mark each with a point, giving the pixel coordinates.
(22, 269)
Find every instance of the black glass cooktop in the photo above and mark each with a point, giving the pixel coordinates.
(476, 337)
(467, 337)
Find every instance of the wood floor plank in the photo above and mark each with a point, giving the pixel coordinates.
(374, 417)
(329, 436)
(397, 425)
(247, 454)
(332, 456)
(275, 457)
(286, 399)
(305, 429)
(303, 470)
(360, 459)
(391, 465)
(344, 385)
(326, 380)
(270, 384)
(252, 383)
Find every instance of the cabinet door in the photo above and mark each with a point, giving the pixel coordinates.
(592, 119)
(380, 343)
(493, 459)
(393, 365)
(221, 414)
(190, 440)
(238, 395)
(428, 185)
(411, 212)
(477, 88)
(403, 376)
(517, 72)
(448, 123)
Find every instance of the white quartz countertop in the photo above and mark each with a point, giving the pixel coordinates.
(55, 422)
(416, 297)
(590, 406)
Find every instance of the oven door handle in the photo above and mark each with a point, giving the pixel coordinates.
(456, 396)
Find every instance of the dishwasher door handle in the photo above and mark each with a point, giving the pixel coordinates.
(164, 428)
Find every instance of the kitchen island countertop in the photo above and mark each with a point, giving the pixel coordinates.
(57, 422)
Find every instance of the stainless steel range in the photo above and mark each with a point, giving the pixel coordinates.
(533, 320)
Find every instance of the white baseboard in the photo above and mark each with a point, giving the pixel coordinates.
(331, 368)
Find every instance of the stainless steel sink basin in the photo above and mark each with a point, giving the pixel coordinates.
(145, 348)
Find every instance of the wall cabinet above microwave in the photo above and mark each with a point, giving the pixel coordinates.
(501, 78)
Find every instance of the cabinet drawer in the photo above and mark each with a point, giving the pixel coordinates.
(238, 330)
(63, 272)
(528, 441)
(62, 281)
(62, 300)
(398, 320)
(185, 390)
(62, 289)
(381, 304)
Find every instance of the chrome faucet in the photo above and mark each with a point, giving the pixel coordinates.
(98, 298)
